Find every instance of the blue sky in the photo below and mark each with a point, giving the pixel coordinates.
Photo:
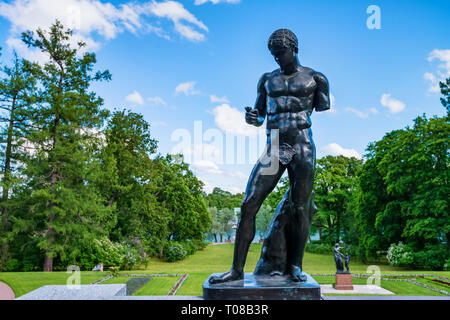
(178, 62)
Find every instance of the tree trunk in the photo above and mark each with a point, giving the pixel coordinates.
(221, 238)
(48, 261)
(6, 186)
(215, 237)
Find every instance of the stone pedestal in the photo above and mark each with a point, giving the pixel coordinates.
(343, 281)
(262, 288)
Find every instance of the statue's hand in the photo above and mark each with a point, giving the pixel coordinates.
(251, 115)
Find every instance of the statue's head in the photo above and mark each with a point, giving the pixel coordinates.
(283, 45)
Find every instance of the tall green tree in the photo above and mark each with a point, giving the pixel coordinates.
(62, 202)
(126, 178)
(180, 191)
(404, 189)
(334, 186)
(17, 95)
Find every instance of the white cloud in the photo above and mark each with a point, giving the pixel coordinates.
(200, 2)
(136, 98)
(434, 82)
(188, 88)
(157, 101)
(362, 114)
(238, 175)
(442, 55)
(231, 120)
(335, 149)
(176, 12)
(394, 105)
(206, 167)
(216, 99)
(213, 176)
(443, 71)
(94, 21)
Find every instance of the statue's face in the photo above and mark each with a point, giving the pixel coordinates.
(284, 56)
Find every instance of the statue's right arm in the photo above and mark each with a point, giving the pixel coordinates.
(261, 100)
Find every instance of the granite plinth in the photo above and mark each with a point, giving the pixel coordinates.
(343, 281)
(262, 288)
(85, 292)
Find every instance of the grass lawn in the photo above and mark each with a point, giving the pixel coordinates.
(158, 286)
(117, 280)
(217, 259)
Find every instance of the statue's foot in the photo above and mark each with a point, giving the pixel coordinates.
(297, 275)
(231, 275)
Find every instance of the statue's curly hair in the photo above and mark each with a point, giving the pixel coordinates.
(283, 38)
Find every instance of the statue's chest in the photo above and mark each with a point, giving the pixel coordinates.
(298, 85)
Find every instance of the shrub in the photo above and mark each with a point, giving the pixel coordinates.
(154, 246)
(400, 255)
(131, 258)
(123, 255)
(12, 265)
(322, 248)
(433, 257)
(174, 252)
(201, 244)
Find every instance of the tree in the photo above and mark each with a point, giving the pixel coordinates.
(181, 193)
(404, 189)
(226, 216)
(445, 90)
(263, 219)
(221, 199)
(127, 177)
(17, 94)
(334, 185)
(215, 223)
(277, 194)
(62, 202)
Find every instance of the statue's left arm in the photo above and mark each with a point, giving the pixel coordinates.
(322, 94)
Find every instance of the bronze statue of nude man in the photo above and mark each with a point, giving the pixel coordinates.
(286, 96)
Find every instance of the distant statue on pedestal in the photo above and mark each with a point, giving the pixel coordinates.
(343, 278)
(347, 261)
(338, 259)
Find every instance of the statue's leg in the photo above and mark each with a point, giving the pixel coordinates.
(301, 176)
(261, 182)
